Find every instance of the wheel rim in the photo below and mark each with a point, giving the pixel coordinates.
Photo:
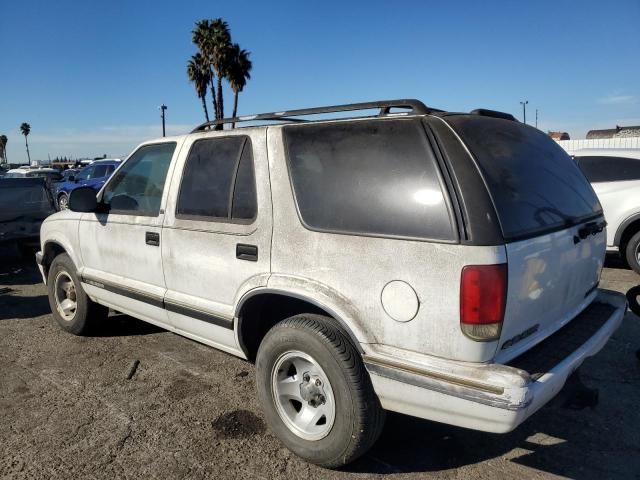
(65, 296)
(638, 253)
(302, 395)
(63, 202)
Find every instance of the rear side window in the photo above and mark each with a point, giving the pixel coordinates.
(99, 172)
(609, 169)
(535, 186)
(218, 180)
(373, 177)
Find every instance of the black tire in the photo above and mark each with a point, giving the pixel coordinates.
(630, 252)
(359, 418)
(63, 199)
(87, 313)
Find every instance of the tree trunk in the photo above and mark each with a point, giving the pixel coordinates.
(27, 144)
(235, 107)
(213, 94)
(204, 105)
(220, 102)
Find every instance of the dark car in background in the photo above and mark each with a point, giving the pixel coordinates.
(93, 175)
(24, 204)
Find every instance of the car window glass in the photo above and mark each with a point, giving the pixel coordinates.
(85, 173)
(99, 172)
(137, 187)
(609, 169)
(244, 193)
(376, 177)
(209, 176)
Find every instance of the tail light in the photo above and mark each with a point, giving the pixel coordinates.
(483, 294)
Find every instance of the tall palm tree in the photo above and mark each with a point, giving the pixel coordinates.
(218, 42)
(200, 36)
(25, 128)
(238, 72)
(3, 149)
(199, 73)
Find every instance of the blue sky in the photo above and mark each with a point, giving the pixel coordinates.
(89, 76)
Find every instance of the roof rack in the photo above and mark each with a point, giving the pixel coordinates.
(385, 106)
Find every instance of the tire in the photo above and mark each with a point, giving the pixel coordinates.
(353, 417)
(72, 309)
(63, 201)
(632, 251)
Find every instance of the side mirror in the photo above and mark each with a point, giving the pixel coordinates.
(83, 199)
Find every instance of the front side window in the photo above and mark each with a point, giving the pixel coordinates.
(137, 187)
(85, 173)
(99, 171)
(373, 177)
(218, 181)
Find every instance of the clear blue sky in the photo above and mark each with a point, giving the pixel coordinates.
(89, 76)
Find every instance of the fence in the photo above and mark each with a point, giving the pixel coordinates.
(619, 142)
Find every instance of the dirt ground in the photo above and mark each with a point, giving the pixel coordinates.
(67, 409)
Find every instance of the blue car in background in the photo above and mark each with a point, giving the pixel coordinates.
(93, 175)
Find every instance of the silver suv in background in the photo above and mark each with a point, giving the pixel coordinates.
(615, 176)
(443, 265)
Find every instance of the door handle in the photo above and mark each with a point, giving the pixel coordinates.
(152, 238)
(247, 252)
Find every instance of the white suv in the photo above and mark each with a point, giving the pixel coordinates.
(442, 265)
(615, 176)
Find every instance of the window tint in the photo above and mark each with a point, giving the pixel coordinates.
(609, 169)
(99, 171)
(534, 184)
(244, 193)
(375, 177)
(138, 186)
(213, 167)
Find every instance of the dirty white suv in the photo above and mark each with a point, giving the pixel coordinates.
(442, 265)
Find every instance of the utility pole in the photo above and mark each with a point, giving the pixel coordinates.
(162, 108)
(536, 118)
(524, 111)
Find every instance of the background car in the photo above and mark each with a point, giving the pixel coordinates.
(50, 174)
(614, 174)
(93, 176)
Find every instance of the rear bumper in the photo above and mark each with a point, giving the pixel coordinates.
(489, 397)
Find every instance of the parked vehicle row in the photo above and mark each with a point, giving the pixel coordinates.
(94, 176)
(443, 265)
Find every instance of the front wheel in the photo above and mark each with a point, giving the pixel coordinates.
(63, 201)
(632, 252)
(316, 393)
(71, 307)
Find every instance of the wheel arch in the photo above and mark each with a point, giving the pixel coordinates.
(626, 230)
(261, 309)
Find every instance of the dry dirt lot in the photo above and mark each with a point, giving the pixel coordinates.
(67, 409)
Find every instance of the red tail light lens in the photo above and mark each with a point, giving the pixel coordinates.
(483, 295)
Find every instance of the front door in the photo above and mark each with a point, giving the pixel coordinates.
(121, 248)
(217, 233)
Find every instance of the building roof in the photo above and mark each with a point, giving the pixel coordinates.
(631, 131)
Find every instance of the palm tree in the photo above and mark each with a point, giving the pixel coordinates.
(238, 72)
(25, 128)
(218, 42)
(3, 148)
(200, 36)
(199, 73)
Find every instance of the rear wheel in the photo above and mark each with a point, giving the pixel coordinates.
(632, 252)
(74, 311)
(316, 394)
(63, 201)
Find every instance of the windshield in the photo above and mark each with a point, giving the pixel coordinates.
(535, 186)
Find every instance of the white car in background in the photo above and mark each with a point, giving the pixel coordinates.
(615, 176)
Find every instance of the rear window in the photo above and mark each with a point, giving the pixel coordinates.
(609, 169)
(535, 186)
(373, 177)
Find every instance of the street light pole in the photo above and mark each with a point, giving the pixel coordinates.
(524, 111)
(162, 108)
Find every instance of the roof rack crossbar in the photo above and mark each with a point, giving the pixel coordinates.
(385, 106)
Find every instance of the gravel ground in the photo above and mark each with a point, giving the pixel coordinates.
(68, 410)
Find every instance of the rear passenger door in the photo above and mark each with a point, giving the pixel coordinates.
(217, 233)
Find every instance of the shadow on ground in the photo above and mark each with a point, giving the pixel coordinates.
(614, 260)
(120, 325)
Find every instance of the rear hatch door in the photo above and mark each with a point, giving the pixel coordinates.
(552, 225)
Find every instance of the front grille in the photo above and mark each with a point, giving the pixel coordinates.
(551, 351)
